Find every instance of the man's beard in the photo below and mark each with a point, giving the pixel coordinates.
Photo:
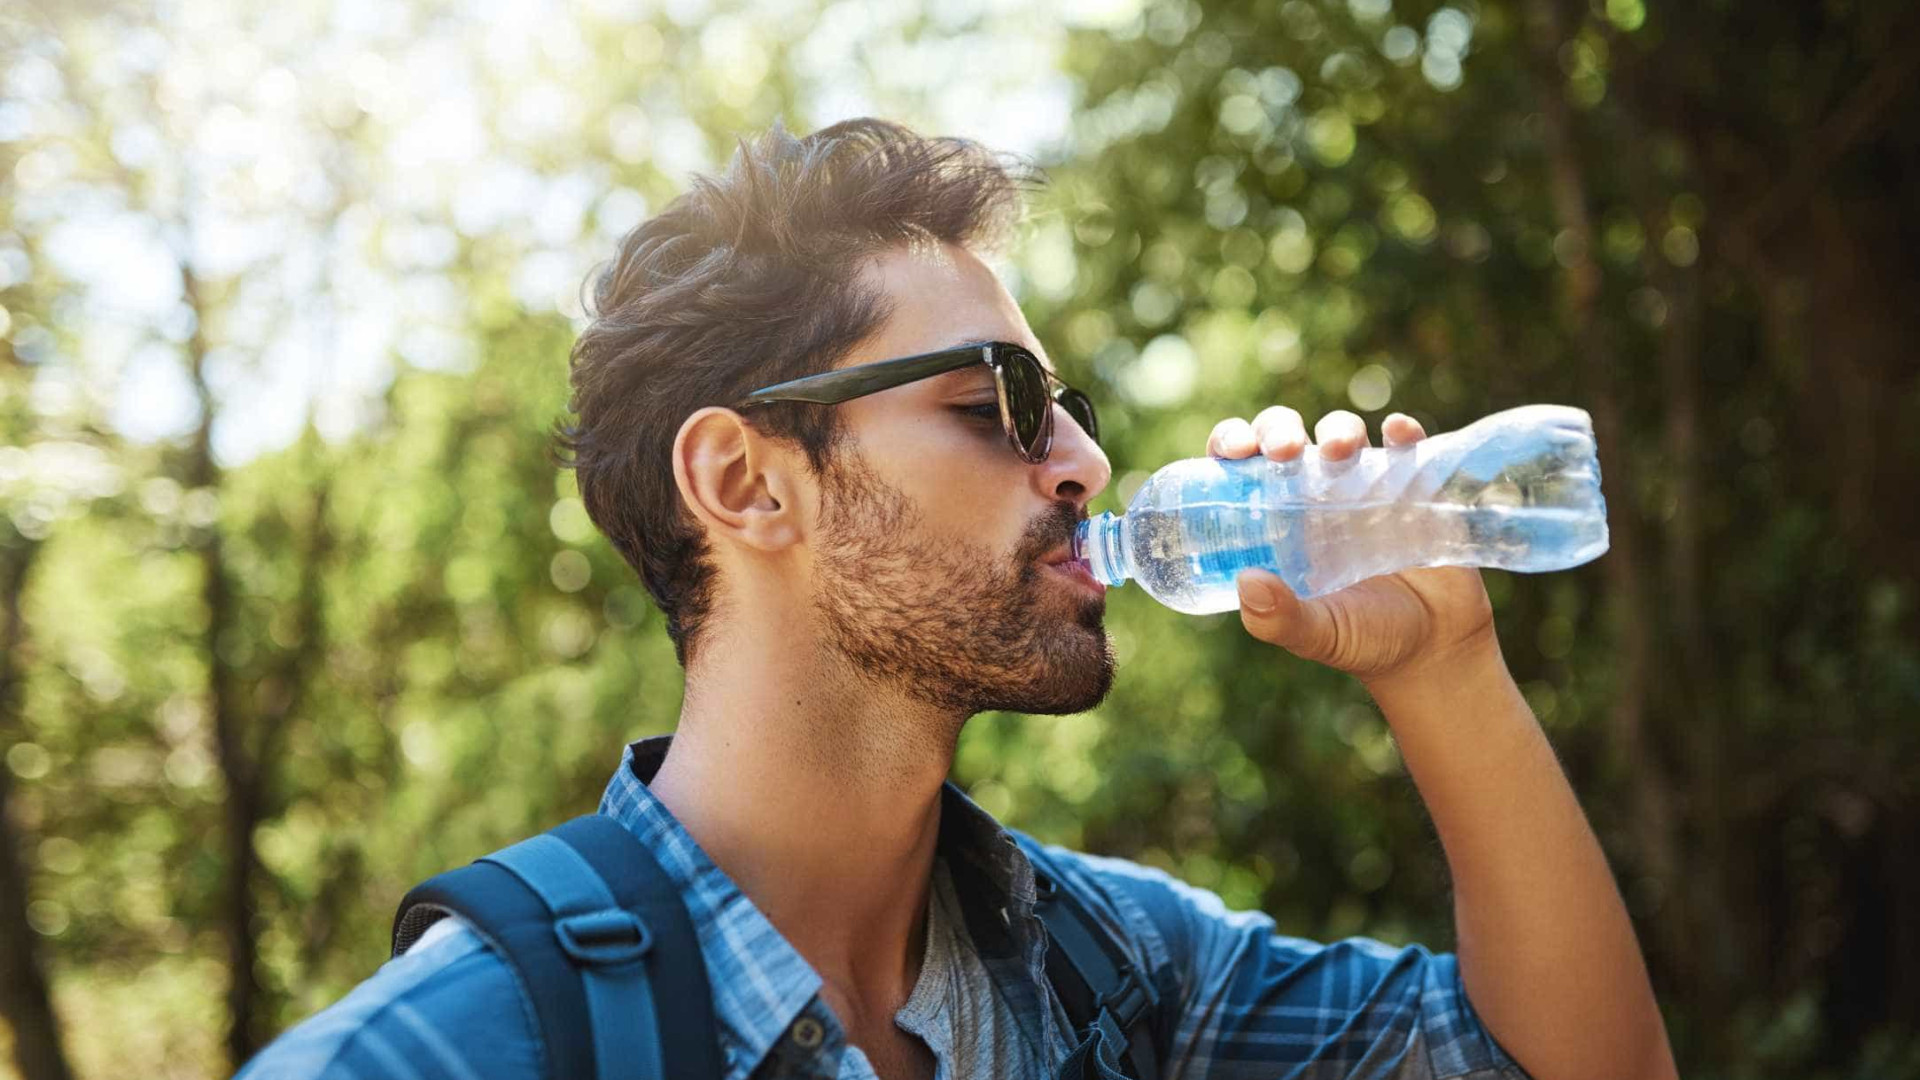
(950, 622)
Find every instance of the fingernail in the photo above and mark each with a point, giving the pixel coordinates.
(1255, 595)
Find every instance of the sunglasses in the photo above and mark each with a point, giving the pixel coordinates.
(1027, 391)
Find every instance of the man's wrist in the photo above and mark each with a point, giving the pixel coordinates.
(1454, 715)
(1442, 671)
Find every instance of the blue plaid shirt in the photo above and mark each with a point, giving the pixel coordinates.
(1238, 1000)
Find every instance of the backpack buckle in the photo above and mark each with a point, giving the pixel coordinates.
(603, 938)
(1129, 999)
(1044, 890)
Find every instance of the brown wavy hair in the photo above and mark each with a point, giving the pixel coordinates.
(749, 279)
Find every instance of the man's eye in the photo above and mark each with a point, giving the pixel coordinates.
(989, 411)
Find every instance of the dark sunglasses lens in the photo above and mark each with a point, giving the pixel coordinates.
(1080, 407)
(1028, 403)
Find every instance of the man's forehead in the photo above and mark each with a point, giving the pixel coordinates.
(939, 296)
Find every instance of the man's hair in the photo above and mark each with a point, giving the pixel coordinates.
(749, 279)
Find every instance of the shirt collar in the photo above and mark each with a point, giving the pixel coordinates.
(761, 984)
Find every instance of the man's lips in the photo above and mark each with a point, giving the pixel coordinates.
(1061, 561)
(1078, 572)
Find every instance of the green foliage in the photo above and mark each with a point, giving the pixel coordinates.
(1437, 209)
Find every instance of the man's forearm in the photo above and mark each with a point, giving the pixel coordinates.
(1546, 949)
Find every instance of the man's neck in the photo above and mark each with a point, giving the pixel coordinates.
(819, 794)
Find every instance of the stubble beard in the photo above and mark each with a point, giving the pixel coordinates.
(951, 623)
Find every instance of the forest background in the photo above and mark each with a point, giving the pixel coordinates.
(294, 609)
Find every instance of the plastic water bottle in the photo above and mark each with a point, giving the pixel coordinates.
(1519, 490)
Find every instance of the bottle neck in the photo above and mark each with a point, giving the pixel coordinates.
(1097, 542)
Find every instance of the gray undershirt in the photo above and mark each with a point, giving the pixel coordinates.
(954, 1008)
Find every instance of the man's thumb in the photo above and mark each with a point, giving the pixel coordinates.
(1271, 612)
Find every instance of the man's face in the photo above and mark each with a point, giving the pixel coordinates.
(931, 569)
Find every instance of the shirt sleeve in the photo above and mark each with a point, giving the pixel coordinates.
(1249, 1002)
(449, 1009)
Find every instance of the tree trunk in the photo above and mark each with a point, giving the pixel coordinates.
(241, 810)
(24, 1000)
(1649, 791)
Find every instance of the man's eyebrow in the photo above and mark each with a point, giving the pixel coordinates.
(963, 380)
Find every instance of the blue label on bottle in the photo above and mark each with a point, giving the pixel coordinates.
(1230, 562)
(1223, 540)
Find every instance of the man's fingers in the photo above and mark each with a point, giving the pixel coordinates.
(1281, 431)
(1232, 438)
(1340, 434)
(1400, 429)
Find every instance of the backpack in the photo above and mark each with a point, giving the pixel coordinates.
(593, 928)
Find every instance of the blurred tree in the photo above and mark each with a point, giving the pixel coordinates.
(25, 1004)
(23, 984)
(285, 296)
(1357, 203)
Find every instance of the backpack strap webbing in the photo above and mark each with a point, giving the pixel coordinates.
(600, 942)
(1099, 987)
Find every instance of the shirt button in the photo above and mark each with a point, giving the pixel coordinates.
(808, 1033)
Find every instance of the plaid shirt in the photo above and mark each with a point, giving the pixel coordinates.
(1238, 1000)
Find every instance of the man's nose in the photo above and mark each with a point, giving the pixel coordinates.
(1076, 470)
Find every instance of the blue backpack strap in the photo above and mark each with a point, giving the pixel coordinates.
(601, 943)
(1099, 987)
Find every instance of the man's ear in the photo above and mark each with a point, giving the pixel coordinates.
(738, 482)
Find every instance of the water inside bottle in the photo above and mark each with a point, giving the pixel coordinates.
(1188, 558)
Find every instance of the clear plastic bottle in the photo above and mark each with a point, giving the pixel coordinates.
(1518, 490)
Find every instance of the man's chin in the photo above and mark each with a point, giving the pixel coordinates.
(1075, 676)
(1066, 702)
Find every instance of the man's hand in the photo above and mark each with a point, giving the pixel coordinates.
(1384, 628)
(1546, 950)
